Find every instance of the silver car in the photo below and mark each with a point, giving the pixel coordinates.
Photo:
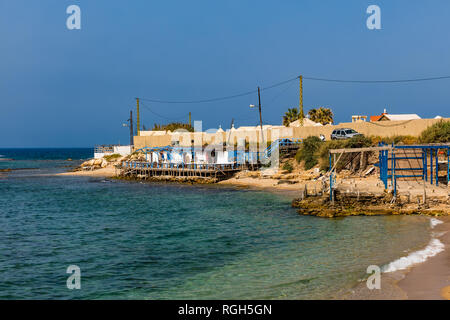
(344, 133)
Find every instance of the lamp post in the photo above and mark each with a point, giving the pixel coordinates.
(130, 125)
(260, 116)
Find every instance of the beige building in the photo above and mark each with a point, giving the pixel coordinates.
(252, 135)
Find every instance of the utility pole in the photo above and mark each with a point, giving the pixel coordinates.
(131, 128)
(137, 117)
(229, 135)
(260, 117)
(190, 119)
(300, 105)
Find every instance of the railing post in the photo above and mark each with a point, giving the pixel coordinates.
(331, 179)
(392, 168)
(394, 176)
(425, 164)
(437, 167)
(448, 165)
(431, 165)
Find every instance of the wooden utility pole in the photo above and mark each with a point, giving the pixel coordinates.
(137, 117)
(131, 128)
(300, 104)
(260, 116)
(190, 119)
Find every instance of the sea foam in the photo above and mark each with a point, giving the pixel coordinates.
(434, 222)
(434, 247)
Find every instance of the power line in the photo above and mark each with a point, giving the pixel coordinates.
(163, 117)
(220, 98)
(378, 81)
(288, 81)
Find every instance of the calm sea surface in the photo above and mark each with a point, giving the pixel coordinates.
(168, 241)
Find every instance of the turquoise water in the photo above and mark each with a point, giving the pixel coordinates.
(168, 241)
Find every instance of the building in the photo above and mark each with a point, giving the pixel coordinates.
(394, 117)
(306, 123)
(358, 118)
(107, 150)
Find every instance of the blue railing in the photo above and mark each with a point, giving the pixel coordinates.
(196, 166)
(429, 158)
(281, 143)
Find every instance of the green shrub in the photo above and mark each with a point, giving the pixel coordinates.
(394, 140)
(355, 142)
(308, 152)
(173, 126)
(112, 157)
(437, 133)
(324, 151)
(287, 166)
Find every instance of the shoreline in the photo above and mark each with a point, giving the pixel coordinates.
(424, 280)
(270, 185)
(431, 279)
(107, 172)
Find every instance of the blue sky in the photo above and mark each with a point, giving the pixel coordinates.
(75, 88)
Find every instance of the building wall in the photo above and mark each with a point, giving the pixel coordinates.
(122, 150)
(382, 129)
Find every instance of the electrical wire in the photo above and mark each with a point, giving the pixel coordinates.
(164, 117)
(221, 98)
(207, 100)
(378, 81)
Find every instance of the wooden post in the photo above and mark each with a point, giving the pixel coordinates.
(361, 161)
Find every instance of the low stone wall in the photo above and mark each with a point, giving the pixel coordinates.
(380, 128)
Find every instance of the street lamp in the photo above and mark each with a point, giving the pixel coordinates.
(260, 117)
(130, 125)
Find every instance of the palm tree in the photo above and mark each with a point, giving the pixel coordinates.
(321, 115)
(290, 116)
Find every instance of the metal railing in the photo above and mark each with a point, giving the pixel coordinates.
(104, 149)
(181, 166)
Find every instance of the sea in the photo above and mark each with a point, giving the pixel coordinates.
(134, 240)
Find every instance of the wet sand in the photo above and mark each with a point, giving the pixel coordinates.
(107, 172)
(429, 280)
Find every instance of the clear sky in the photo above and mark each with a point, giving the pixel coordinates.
(75, 88)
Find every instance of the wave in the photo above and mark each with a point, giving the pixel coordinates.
(434, 222)
(434, 247)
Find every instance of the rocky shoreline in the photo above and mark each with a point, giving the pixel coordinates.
(169, 179)
(366, 204)
(353, 196)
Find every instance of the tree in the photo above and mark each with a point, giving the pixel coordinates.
(290, 116)
(173, 126)
(308, 152)
(321, 115)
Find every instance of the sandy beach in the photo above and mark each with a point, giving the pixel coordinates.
(429, 280)
(107, 172)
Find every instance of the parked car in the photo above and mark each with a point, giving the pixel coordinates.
(344, 133)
